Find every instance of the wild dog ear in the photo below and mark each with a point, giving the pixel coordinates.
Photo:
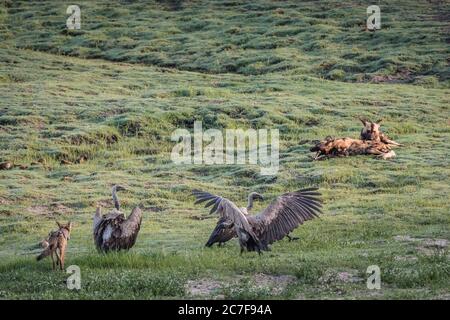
(378, 121)
(59, 224)
(364, 121)
(69, 225)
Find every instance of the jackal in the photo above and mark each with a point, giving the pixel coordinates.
(56, 243)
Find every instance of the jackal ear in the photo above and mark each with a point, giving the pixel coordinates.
(378, 121)
(69, 225)
(364, 122)
(59, 224)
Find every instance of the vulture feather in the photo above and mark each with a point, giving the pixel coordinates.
(223, 232)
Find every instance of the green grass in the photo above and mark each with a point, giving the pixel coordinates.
(327, 39)
(114, 92)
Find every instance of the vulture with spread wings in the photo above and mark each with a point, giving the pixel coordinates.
(224, 230)
(257, 232)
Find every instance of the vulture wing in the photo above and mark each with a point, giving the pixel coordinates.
(131, 226)
(107, 228)
(286, 213)
(97, 217)
(223, 232)
(229, 211)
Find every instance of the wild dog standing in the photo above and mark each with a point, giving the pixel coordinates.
(56, 243)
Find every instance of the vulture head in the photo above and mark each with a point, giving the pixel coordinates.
(256, 196)
(252, 197)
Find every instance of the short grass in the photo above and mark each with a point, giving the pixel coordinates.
(117, 114)
(326, 39)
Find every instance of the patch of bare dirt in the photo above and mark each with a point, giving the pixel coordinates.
(276, 283)
(426, 246)
(202, 287)
(436, 243)
(38, 210)
(60, 208)
(399, 77)
(345, 276)
(431, 247)
(53, 209)
(426, 242)
(4, 201)
(445, 296)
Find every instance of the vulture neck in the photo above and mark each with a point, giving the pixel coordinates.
(115, 198)
(250, 202)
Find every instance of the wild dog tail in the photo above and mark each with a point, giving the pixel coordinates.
(44, 254)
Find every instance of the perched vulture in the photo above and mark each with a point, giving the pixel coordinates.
(282, 216)
(113, 231)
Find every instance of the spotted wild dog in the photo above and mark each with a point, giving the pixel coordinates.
(56, 243)
(371, 131)
(343, 147)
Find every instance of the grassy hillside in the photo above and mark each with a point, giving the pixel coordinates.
(326, 38)
(84, 110)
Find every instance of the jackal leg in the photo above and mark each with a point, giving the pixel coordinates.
(53, 260)
(58, 257)
(63, 254)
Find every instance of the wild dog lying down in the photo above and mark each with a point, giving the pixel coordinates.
(56, 243)
(343, 147)
(372, 141)
(371, 131)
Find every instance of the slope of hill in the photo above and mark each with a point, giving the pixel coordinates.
(327, 39)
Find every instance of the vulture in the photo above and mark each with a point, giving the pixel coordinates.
(257, 232)
(113, 231)
(224, 230)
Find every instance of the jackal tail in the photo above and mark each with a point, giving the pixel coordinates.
(44, 254)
